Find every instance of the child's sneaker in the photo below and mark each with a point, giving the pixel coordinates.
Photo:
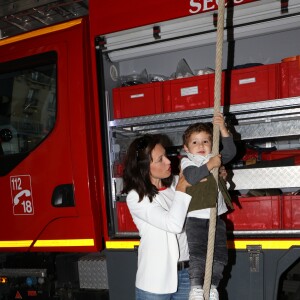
(213, 294)
(196, 293)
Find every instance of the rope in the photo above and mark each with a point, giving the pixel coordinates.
(215, 149)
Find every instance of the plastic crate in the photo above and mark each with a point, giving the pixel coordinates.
(254, 84)
(291, 212)
(125, 222)
(186, 93)
(137, 100)
(280, 154)
(255, 213)
(290, 77)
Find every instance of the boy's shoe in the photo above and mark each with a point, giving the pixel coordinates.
(196, 293)
(213, 294)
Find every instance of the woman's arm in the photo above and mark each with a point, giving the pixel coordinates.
(156, 214)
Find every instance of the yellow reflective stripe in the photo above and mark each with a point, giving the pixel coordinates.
(38, 32)
(65, 243)
(239, 244)
(265, 244)
(15, 244)
(121, 244)
(48, 243)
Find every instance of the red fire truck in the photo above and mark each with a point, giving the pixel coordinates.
(79, 80)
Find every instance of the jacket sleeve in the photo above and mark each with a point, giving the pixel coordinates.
(194, 174)
(155, 214)
(229, 149)
(191, 172)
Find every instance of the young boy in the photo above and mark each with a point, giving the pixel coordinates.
(196, 167)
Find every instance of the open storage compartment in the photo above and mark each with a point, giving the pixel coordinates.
(254, 99)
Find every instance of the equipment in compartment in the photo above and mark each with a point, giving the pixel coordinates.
(239, 86)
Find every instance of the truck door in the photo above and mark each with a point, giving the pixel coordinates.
(44, 175)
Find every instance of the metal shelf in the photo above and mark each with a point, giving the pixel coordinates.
(278, 117)
(256, 120)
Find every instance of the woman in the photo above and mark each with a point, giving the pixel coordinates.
(158, 204)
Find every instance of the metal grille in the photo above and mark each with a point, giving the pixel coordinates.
(93, 272)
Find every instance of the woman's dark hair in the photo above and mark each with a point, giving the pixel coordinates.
(136, 173)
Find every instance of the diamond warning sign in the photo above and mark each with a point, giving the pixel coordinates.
(21, 194)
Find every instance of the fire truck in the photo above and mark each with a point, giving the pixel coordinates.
(79, 80)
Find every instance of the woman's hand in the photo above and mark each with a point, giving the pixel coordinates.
(223, 173)
(182, 183)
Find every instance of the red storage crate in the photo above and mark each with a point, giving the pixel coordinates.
(137, 100)
(186, 93)
(125, 222)
(255, 213)
(254, 84)
(291, 212)
(280, 154)
(290, 77)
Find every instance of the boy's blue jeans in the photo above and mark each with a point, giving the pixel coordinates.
(197, 236)
(181, 294)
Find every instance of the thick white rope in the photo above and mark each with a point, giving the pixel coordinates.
(215, 149)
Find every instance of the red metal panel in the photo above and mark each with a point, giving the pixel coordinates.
(258, 213)
(137, 100)
(66, 156)
(111, 16)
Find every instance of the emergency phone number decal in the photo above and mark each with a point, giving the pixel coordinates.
(21, 194)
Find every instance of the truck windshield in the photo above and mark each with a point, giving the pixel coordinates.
(27, 106)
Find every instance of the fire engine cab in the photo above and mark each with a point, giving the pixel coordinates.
(80, 80)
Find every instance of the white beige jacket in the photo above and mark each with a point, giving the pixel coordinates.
(159, 224)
